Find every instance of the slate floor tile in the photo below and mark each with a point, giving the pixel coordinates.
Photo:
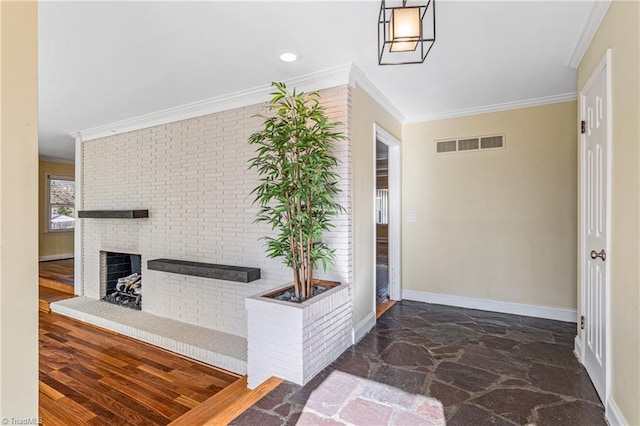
(425, 362)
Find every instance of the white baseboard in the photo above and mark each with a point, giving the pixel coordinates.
(363, 327)
(56, 257)
(613, 414)
(577, 348)
(547, 312)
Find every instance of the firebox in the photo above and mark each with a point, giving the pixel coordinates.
(122, 278)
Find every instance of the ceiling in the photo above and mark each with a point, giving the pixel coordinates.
(102, 62)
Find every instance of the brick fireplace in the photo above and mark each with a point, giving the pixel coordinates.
(193, 179)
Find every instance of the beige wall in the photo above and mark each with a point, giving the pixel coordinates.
(495, 224)
(365, 111)
(52, 243)
(18, 214)
(620, 31)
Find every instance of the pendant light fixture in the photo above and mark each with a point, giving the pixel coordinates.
(406, 31)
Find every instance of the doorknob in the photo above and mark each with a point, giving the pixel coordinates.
(602, 255)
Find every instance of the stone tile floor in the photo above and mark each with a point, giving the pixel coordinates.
(423, 364)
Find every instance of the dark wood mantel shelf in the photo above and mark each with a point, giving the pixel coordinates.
(113, 214)
(207, 270)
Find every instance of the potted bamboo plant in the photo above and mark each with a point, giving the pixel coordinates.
(298, 189)
(297, 198)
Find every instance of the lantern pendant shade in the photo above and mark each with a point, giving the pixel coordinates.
(405, 29)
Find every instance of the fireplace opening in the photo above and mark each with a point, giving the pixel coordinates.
(122, 278)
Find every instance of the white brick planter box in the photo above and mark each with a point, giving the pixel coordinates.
(295, 341)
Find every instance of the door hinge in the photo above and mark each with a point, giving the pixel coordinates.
(582, 322)
(583, 127)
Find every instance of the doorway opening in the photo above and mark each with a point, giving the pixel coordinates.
(387, 220)
(382, 225)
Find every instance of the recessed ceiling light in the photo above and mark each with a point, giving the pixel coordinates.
(289, 56)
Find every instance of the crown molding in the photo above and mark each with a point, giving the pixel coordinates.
(56, 159)
(358, 78)
(331, 77)
(526, 103)
(598, 10)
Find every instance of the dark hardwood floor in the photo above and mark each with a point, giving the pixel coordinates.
(90, 376)
(57, 270)
(55, 282)
(47, 295)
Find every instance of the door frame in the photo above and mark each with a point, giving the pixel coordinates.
(580, 347)
(395, 212)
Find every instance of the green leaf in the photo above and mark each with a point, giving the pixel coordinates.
(298, 182)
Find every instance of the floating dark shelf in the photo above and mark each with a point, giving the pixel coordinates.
(113, 214)
(206, 270)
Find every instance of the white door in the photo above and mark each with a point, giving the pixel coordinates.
(595, 107)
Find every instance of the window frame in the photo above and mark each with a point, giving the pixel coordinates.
(47, 204)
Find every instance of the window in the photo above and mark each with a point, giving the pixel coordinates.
(61, 211)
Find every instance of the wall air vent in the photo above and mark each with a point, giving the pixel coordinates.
(468, 144)
(492, 142)
(446, 146)
(473, 143)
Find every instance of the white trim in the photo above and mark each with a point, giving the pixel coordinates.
(609, 367)
(578, 348)
(613, 415)
(598, 11)
(55, 159)
(604, 64)
(363, 327)
(347, 74)
(374, 246)
(526, 103)
(61, 256)
(358, 78)
(384, 136)
(78, 284)
(331, 77)
(581, 221)
(538, 311)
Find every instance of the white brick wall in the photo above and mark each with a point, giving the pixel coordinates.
(296, 341)
(192, 177)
